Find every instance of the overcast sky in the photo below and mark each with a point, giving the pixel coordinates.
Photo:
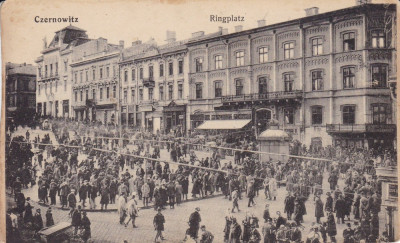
(129, 20)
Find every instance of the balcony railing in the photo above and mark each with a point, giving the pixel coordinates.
(148, 82)
(344, 128)
(148, 102)
(267, 96)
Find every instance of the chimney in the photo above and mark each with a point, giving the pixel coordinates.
(171, 36)
(220, 29)
(138, 42)
(197, 34)
(261, 22)
(225, 31)
(121, 44)
(311, 11)
(238, 28)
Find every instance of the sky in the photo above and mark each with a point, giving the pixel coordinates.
(22, 37)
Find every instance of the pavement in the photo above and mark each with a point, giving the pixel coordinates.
(105, 226)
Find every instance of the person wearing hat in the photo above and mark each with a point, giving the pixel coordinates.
(53, 189)
(132, 211)
(37, 221)
(266, 214)
(76, 219)
(331, 227)
(281, 234)
(329, 202)
(319, 209)
(255, 236)
(235, 199)
(49, 218)
(121, 208)
(194, 224)
(206, 236)
(289, 205)
(280, 220)
(71, 201)
(85, 226)
(28, 216)
(235, 232)
(158, 223)
(295, 234)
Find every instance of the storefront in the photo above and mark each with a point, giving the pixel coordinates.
(174, 118)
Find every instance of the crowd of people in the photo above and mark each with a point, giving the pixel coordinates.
(88, 167)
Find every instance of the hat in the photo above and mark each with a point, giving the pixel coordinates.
(159, 209)
(348, 224)
(198, 209)
(282, 226)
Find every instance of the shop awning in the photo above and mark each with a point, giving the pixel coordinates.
(223, 124)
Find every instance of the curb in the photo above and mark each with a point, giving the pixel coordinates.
(114, 209)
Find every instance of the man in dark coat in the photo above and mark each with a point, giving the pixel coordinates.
(20, 200)
(340, 209)
(194, 223)
(289, 206)
(158, 223)
(71, 201)
(76, 219)
(331, 227)
(329, 202)
(37, 221)
(49, 218)
(83, 193)
(319, 209)
(85, 225)
(348, 234)
(235, 232)
(266, 214)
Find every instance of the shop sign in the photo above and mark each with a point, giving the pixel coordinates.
(392, 190)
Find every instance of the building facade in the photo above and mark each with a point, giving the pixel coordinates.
(95, 81)
(324, 77)
(20, 92)
(154, 81)
(53, 91)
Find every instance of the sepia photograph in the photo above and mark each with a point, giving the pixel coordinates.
(203, 121)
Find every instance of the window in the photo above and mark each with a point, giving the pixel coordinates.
(180, 67)
(87, 94)
(81, 77)
(317, 46)
(94, 74)
(239, 58)
(65, 85)
(161, 93)
(76, 77)
(316, 115)
(317, 82)
(51, 70)
(81, 95)
(93, 94)
(101, 93)
(125, 96)
(262, 85)
(114, 91)
(107, 92)
(180, 91)
(40, 72)
(39, 87)
(218, 89)
(87, 76)
(45, 88)
(151, 72)
(101, 73)
(170, 69)
(218, 62)
(66, 66)
(140, 94)
(349, 114)
(199, 91)
(108, 71)
(348, 77)
(378, 39)
(45, 71)
(56, 68)
(239, 87)
(170, 92)
(76, 96)
(126, 75)
(379, 76)
(263, 54)
(161, 70)
(51, 88)
(349, 41)
(141, 73)
(150, 93)
(132, 96)
(289, 115)
(288, 49)
(133, 74)
(199, 65)
(55, 85)
(288, 78)
(380, 113)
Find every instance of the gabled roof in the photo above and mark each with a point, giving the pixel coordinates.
(71, 27)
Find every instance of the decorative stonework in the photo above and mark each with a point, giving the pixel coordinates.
(286, 35)
(238, 44)
(379, 55)
(262, 39)
(288, 65)
(317, 61)
(378, 21)
(239, 71)
(348, 23)
(262, 68)
(348, 58)
(217, 74)
(317, 29)
(197, 76)
(217, 48)
(198, 52)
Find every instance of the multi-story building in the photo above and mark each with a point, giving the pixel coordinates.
(155, 87)
(53, 91)
(20, 92)
(324, 77)
(95, 81)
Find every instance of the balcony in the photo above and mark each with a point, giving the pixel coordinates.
(270, 96)
(360, 128)
(149, 82)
